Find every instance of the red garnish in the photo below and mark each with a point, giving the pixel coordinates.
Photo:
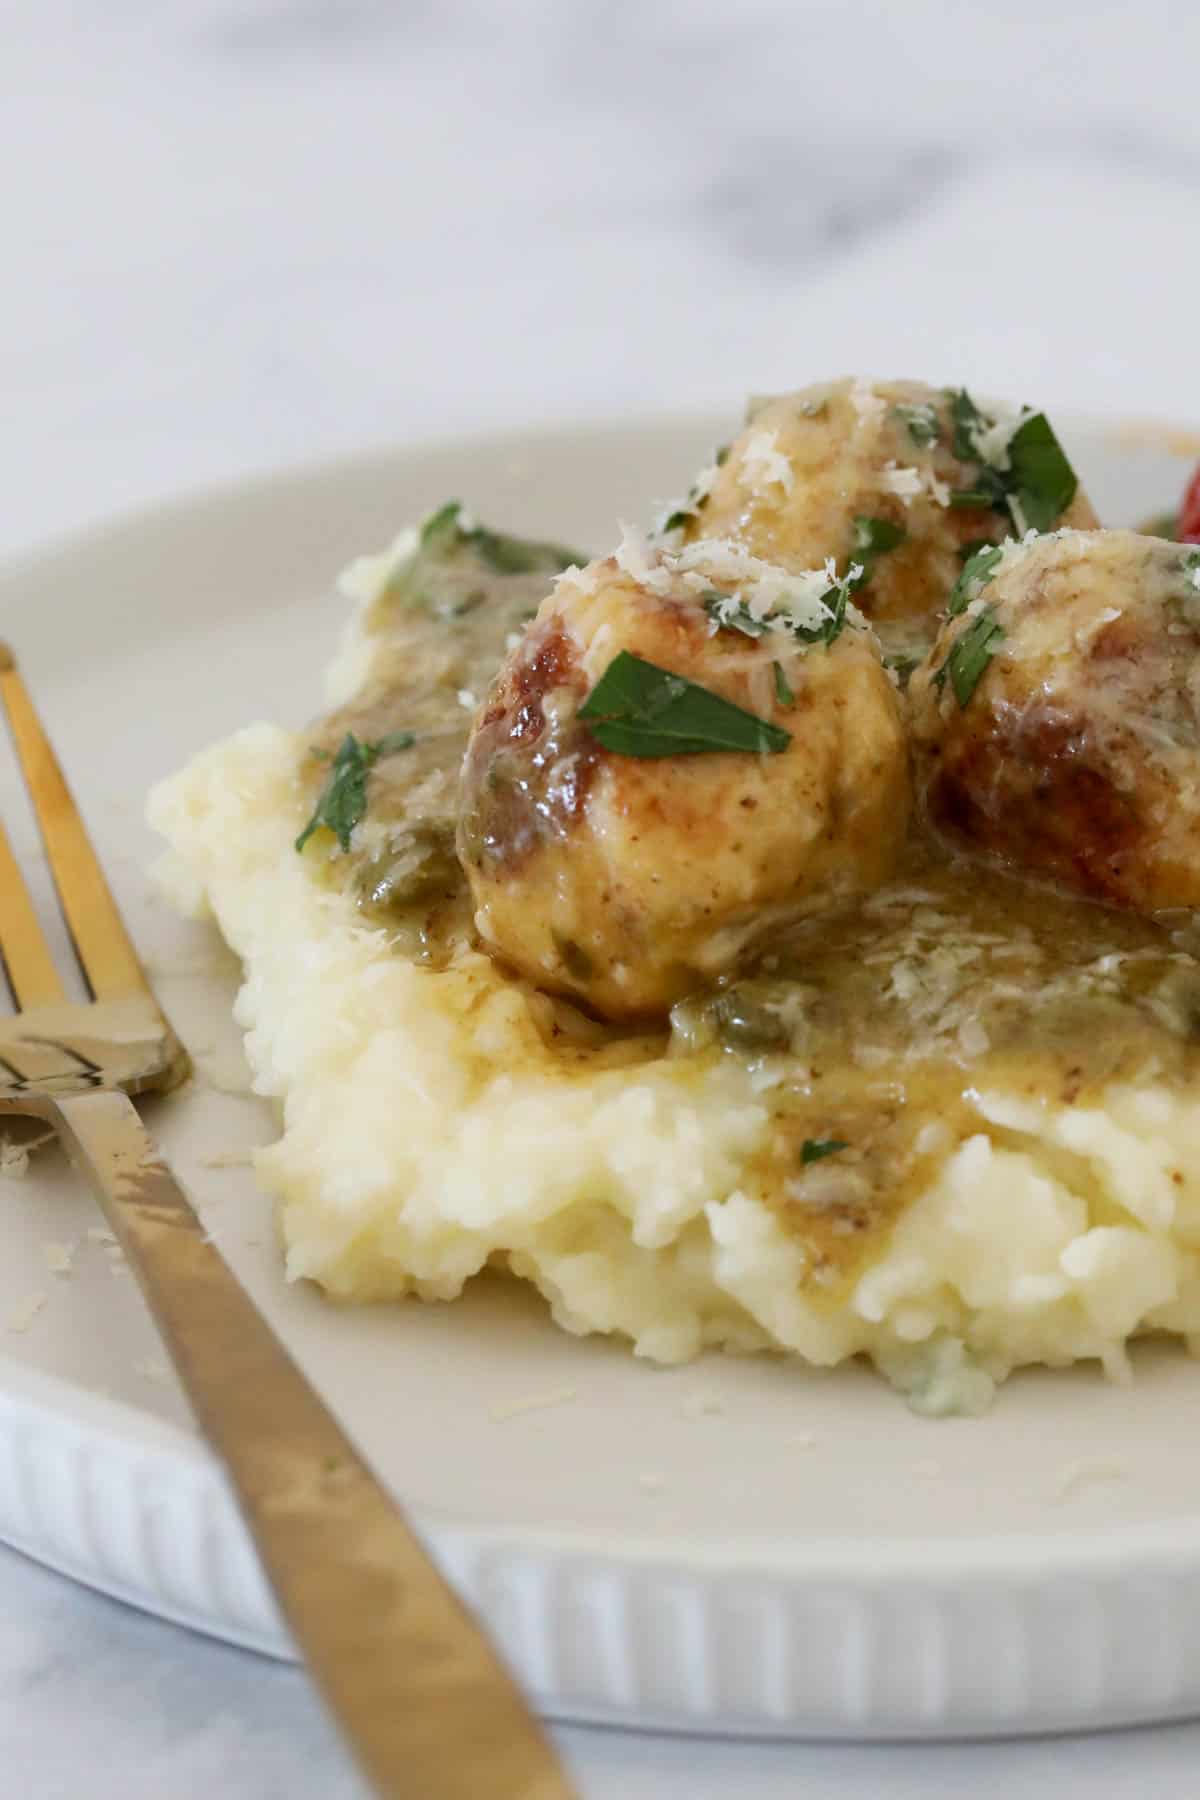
(1188, 530)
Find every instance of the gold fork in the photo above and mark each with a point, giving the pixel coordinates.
(423, 1700)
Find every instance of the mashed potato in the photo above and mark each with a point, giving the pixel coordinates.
(433, 1123)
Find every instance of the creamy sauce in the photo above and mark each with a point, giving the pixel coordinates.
(880, 1027)
(877, 1028)
(441, 629)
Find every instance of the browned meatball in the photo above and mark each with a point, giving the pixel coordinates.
(626, 879)
(1056, 721)
(824, 471)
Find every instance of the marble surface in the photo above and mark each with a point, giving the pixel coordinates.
(243, 232)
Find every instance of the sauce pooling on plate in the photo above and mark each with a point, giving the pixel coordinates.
(877, 1032)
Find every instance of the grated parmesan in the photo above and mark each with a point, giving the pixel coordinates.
(585, 581)
(867, 403)
(764, 465)
(775, 597)
(990, 442)
(905, 483)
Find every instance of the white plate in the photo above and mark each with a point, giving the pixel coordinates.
(739, 1545)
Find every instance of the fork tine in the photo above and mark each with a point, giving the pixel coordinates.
(31, 972)
(109, 959)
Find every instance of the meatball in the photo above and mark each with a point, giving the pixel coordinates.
(1056, 722)
(627, 858)
(875, 473)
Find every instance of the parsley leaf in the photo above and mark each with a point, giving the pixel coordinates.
(506, 555)
(834, 600)
(988, 496)
(783, 692)
(638, 709)
(967, 421)
(872, 538)
(1037, 484)
(977, 572)
(814, 1150)
(921, 423)
(440, 530)
(1040, 482)
(343, 799)
(970, 654)
(444, 532)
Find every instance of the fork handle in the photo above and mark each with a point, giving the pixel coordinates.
(419, 1692)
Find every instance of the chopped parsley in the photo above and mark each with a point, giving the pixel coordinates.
(732, 614)
(1036, 484)
(638, 709)
(783, 692)
(1191, 568)
(444, 531)
(440, 531)
(921, 423)
(872, 538)
(968, 422)
(343, 799)
(977, 572)
(991, 498)
(697, 499)
(834, 600)
(814, 1150)
(970, 654)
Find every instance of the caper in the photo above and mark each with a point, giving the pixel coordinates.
(750, 1015)
(421, 869)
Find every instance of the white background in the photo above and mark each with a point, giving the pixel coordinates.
(242, 232)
